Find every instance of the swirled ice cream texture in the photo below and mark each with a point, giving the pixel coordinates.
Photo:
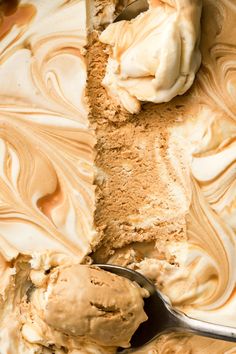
(203, 283)
(46, 161)
(155, 56)
(201, 279)
(197, 273)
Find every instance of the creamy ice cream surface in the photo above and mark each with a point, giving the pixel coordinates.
(155, 56)
(85, 303)
(83, 180)
(47, 198)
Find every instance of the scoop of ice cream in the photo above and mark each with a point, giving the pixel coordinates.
(155, 56)
(85, 301)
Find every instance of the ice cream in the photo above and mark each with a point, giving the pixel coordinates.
(155, 56)
(83, 180)
(172, 171)
(47, 199)
(67, 309)
(87, 304)
(47, 196)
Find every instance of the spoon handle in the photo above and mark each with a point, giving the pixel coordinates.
(206, 329)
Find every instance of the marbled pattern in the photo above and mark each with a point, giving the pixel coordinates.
(47, 197)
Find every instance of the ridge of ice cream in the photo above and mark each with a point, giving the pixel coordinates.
(155, 56)
(86, 303)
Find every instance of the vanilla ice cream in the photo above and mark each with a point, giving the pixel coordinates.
(48, 198)
(155, 56)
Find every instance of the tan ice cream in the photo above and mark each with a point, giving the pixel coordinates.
(86, 303)
(156, 193)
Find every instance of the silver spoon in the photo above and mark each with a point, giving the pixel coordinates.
(162, 318)
(132, 10)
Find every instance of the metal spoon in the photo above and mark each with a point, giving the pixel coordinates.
(163, 318)
(132, 10)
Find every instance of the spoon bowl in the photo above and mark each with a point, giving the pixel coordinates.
(132, 10)
(162, 317)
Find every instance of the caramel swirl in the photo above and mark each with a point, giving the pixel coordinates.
(46, 163)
